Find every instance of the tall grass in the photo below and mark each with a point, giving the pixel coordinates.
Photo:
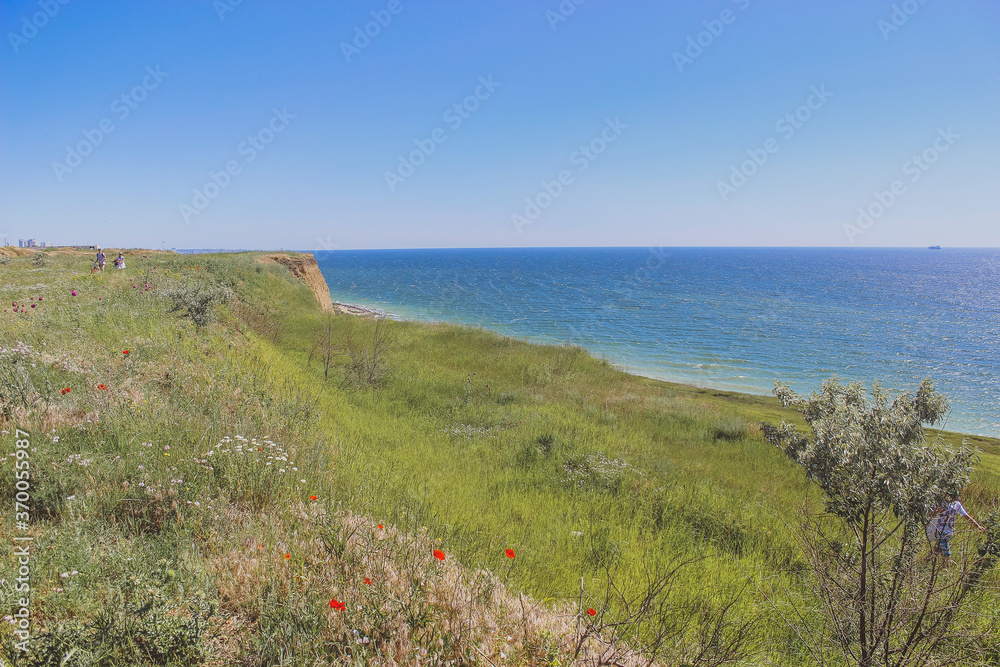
(184, 487)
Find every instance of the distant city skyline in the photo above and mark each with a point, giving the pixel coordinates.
(391, 124)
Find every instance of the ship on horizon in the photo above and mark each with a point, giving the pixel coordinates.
(934, 247)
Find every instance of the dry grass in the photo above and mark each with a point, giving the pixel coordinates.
(403, 606)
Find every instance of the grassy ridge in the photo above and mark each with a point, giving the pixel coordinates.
(474, 444)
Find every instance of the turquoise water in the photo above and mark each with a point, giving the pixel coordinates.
(729, 318)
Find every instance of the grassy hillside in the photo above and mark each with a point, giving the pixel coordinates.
(205, 495)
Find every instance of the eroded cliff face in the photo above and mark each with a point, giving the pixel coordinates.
(304, 267)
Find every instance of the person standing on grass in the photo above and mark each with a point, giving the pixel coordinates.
(101, 259)
(942, 525)
(120, 261)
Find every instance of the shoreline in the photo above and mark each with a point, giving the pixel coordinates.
(360, 310)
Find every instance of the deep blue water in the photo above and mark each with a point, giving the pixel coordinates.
(730, 318)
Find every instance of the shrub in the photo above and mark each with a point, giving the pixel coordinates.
(198, 300)
(729, 428)
(541, 447)
(142, 630)
(506, 397)
(883, 603)
(597, 472)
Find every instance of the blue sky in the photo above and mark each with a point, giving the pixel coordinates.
(197, 124)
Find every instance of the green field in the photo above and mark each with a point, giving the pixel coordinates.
(172, 485)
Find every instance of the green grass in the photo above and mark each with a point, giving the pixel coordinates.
(475, 443)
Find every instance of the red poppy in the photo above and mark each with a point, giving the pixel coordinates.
(102, 387)
(368, 580)
(337, 604)
(312, 497)
(510, 553)
(125, 352)
(65, 391)
(381, 527)
(288, 556)
(591, 612)
(439, 554)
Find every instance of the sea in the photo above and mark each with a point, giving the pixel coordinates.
(727, 318)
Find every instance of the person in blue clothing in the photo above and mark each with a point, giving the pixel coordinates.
(942, 525)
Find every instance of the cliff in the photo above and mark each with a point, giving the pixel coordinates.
(304, 267)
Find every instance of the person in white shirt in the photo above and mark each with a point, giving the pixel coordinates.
(942, 526)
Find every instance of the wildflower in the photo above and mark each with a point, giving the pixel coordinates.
(337, 604)
(166, 448)
(591, 612)
(510, 553)
(65, 391)
(312, 497)
(368, 581)
(73, 293)
(102, 387)
(125, 352)
(439, 554)
(381, 527)
(64, 575)
(288, 556)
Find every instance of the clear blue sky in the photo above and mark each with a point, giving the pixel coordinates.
(666, 121)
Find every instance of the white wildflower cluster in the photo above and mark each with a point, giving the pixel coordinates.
(596, 471)
(469, 431)
(251, 450)
(79, 460)
(176, 485)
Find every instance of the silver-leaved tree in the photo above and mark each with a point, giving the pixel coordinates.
(885, 598)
